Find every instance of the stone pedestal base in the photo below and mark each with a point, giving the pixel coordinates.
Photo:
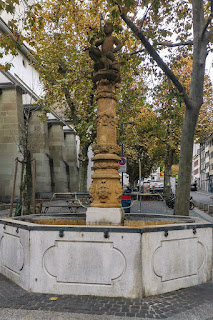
(104, 216)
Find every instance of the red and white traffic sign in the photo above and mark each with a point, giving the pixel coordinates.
(123, 164)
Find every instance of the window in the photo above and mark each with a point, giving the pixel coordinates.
(24, 63)
(196, 163)
(196, 172)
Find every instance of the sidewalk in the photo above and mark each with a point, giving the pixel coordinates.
(203, 200)
(195, 303)
(203, 196)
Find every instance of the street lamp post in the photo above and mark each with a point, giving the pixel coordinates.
(140, 177)
(122, 147)
(140, 182)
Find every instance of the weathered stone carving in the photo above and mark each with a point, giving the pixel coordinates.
(106, 165)
(103, 191)
(119, 192)
(107, 120)
(92, 191)
(106, 148)
(106, 190)
(104, 59)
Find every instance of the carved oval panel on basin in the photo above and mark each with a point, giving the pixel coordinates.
(84, 262)
(12, 253)
(178, 258)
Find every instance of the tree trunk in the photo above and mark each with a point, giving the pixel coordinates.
(193, 102)
(83, 168)
(27, 184)
(168, 171)
(192, 110)
(185, 164)
(132, 181)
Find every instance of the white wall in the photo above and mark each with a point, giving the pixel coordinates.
(24, 72)
(21, 68)
(90, 171)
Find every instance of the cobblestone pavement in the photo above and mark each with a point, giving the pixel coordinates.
(195, 303)
(158, 307)
(158, 207)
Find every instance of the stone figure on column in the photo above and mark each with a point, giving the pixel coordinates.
(104, 58)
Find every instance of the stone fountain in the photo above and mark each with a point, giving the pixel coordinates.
(106, 190)
(105, 253)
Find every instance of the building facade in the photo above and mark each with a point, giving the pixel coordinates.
(51, 143)
(202, 165)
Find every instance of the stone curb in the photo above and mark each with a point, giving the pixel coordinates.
(203, 206)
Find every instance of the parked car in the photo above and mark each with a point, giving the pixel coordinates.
(194, 186)
(156, 187)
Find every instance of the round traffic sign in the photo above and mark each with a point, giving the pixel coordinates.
(122, 161)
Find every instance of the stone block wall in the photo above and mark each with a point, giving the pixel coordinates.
(38, 141)
(70, 156)
(11, 128)
(56, 147)
(53, 149)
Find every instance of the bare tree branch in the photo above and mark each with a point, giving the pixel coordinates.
(153, 53)
(207, 24)
(178, 44)
(71, 107)
(167, 44)
(210, 34)
(209, 19)
(131, 54)
(144, 17)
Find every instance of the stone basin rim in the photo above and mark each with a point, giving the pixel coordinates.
(149, 216)
(164, 219)
(14, 222)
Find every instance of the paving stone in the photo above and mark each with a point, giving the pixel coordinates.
(158, 307)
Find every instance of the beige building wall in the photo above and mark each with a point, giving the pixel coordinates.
(70, 156)
(211, 163)
(56, 147)
(11, 127)
(38, 137)
(211, 157)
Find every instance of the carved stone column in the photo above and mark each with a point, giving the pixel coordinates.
(106, 190)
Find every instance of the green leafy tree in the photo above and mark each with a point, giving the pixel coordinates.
(169, 104)
(142, 142)
(162, 21)
(191, 22)
(61, 33)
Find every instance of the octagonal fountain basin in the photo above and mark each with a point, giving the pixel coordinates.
(149, 255)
